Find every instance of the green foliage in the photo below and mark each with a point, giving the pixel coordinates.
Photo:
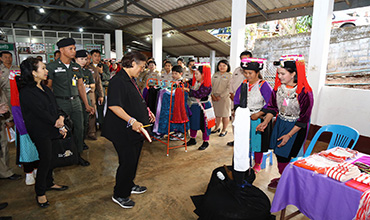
(304, 24)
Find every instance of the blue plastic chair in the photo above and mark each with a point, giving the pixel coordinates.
(342, 136)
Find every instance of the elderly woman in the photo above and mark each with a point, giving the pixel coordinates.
(127, 112)
(44, 121)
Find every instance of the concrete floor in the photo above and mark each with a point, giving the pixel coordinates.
(170, 181)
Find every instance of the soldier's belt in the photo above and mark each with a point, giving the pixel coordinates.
(67, 97)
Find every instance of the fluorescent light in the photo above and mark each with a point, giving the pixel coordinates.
(108, 17)
(81, 29)
(34, 26)
(42, 11)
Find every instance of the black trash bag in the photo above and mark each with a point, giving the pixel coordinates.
(64, 149)
(224, 200)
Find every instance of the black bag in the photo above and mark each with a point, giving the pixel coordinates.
(64, 149)
(224, 200)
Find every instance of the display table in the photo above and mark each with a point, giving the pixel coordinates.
(315, 195)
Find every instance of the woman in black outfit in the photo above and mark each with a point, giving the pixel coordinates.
(43, 120)
(126, 114)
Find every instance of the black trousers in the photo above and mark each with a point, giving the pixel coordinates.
(44, 178)
(128, 157)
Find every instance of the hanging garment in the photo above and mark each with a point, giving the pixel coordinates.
(179, 111)
(241, 139)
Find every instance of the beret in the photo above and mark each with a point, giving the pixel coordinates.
(81, 53)
(66, 42)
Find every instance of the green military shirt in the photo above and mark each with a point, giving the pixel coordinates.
(87, 76)
(64, 79)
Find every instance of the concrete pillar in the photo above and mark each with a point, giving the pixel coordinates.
(319, 48)
(157, 42)
(212, 60)
(239, 12)
(119, 44)
(107, 46)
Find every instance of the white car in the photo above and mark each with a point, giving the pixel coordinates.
(348, 19)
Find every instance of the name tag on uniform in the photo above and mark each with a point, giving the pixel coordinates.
(76, 69)
(60, 69)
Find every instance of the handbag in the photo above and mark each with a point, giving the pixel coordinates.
(64, 149)
(209, 114)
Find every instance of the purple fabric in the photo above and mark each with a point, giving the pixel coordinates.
(258, 157)
(265, 90)
(305, 101)
(145, 94)
(281, 167)
(158, 113)
(363, 159)
(18, 120)
(201, 92)
(315, 195)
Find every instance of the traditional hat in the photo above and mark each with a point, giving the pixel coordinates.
(66, 42)
(81, 53)
(295, 62)
(255, 64)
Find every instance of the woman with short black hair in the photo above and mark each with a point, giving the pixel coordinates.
(126, 114)
(44, 121)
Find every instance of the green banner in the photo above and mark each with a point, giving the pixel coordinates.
(6, 47)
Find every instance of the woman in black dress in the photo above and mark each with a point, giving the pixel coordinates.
(126, 114)
(44, 121)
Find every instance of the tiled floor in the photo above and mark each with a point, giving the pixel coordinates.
(170, 181)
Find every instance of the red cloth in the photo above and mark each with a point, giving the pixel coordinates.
(14, 94)
(179, 112)
(357, 185)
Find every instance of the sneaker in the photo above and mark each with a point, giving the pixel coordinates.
(34, 173)
(274, 183)
(180, 135)
(138, 189)
(191, 142)
(30, 180)
(125, 203)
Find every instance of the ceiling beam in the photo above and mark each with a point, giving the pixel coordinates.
(258, 9)
(102, 5)
(170, 12)
(176, 28)
(189, 45)
(58, 7)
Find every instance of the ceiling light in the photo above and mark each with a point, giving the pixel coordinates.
(168, 34)
(42, 11)
(129, 50)
(147, 38)
(108, 17)
(81, 29)
(34, 26)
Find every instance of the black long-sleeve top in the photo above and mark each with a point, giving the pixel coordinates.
(40, 111)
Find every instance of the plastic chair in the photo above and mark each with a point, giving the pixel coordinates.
(342, 136)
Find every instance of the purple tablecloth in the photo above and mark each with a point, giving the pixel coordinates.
(315, 195)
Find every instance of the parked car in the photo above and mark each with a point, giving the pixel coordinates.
(347, 19)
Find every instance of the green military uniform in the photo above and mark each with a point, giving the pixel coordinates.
(65, 88)
(105, 76)
(88, 79)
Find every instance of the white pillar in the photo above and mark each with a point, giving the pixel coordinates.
(212, 61)
(157, 42)
(119, 44)
(107, 46)
(319, 48)
(238, 16)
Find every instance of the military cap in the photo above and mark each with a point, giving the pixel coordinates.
(66, 42)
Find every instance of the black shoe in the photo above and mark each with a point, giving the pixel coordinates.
(215, 131)
(85, 147)
(3, 205)
(42, 205)
(223, 134)
(203, 146)
(83, 162)
(138, 189)
(62, 188)
(14, 177)
(191, 142)
(231, 143)
(126, 203)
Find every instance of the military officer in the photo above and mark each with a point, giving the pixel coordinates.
(103, 70)
(6, 120)
(89, 83)
(65, 78)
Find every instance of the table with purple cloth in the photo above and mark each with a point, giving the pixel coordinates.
(316, 195)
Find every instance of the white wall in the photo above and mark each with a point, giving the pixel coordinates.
(345, 106)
